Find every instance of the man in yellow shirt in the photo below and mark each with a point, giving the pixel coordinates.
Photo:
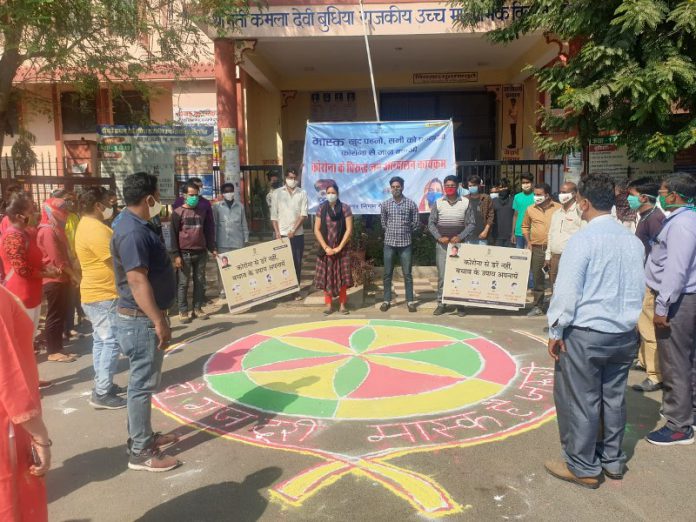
(99, 296)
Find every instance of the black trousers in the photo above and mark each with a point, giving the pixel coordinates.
(297, 247)
(57, 299)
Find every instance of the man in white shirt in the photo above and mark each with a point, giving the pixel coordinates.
(288, 212)
(564, 223)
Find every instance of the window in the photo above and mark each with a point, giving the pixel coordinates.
(130, 108)
(78, 113)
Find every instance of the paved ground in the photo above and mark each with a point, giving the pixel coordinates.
(224, 478)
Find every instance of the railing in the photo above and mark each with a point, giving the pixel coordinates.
(543, 171)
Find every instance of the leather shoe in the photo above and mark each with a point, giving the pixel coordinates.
(648, 385)
(412, 307)
(613, 476)
(559, 469)
(384, 307)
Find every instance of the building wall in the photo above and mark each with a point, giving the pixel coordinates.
(198, 94)
(263, 125)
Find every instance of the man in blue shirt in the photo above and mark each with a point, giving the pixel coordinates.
(592, 319)
(671, 275)
(146, 288)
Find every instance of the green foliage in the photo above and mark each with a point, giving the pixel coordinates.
(22, 153)
(635, 70)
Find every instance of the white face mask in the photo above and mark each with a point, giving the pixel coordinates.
(565, 198)
(538, 200)
(526, 186)
(107, 213)
(494, 195)
(229, 196)
(156, 209)
(332, 198)
(291, 183)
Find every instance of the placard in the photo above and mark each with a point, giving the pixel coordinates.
(486, 276)
(513, 121)
(257, 274)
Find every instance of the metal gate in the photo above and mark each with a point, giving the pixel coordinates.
(256, 186)
(491, 172)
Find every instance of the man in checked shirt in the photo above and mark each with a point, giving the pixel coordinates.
(399, 220)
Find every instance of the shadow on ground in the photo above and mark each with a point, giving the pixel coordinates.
(241, 502)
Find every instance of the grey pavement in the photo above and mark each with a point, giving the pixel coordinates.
(224, 479)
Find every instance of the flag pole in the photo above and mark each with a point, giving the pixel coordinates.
(369, 60)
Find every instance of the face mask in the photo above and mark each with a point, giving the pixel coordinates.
(107, 213)
(634, 202)
(564, 197)
(462, 192)
(155, 209)
(275, 184)
(473, 190)
(494, 195)
(192, 201)
(538, 200)
(291, 183)
(396, 192)
(526, 187)
(332, 198)
(450, 191)
(229, 196)
(503, 193)
(433, 197)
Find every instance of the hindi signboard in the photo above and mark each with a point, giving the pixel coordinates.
(486, 276)
(257, 274)
(161, 150)
(361, 158)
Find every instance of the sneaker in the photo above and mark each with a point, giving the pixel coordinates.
(648, 385)
(107, 401)
(412, 307)
(461, 312)
(152, 460)
(201, 314)
(535, 312)
(667, 437)
(441, 309)
(185, 317)
(384, 307)
(118, 390)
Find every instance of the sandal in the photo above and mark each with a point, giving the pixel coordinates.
(344, 311)
(61, 357)
(328, 311)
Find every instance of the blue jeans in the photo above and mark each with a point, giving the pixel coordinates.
(520, 242)
(192, 264)
(405, 256)
(476, 241)
(138, 340)
(105, 349)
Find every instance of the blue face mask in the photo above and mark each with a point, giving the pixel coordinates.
(433, 197)
(634, 202)
(473, 190)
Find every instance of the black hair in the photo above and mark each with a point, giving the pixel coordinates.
(138, 186)
(504, 183)
(272, 174)
(598, 189)
(450, 178)
(227, 185)
(545, 186)
(527, 176)
(683, 183)
(190, 184)
(333, 185)
(398, 179)
(196, 180)
(59, 193)
(19, 202)
(111, 193)
(291, 171)
(90, 197)
(474, 179)
(646, 186)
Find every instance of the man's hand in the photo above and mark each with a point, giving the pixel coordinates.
(277, 235)
(291, 234)
(215, 253)
(443, 240)
(483, 235)
(556, 346)
(661, 322)
(454, 240)
(164, 333)
(513, 239)
(177, 262)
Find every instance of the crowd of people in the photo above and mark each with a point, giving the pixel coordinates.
(617, 283)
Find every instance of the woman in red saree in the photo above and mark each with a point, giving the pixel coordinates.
(22, 430)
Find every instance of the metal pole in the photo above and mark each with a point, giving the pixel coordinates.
(369, 60)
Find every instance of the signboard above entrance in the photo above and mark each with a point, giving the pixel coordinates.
(446, 77)
(345, 20)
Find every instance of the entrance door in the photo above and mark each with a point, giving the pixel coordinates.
(473, 115)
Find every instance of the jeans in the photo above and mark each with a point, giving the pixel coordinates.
(519, 242)
(102, 315)
(405, 255)
(138, 340)
(192, 261)
(538, 260)
(297, 247)
(440, 260)
(476, 241)
(504, 242)
(56, 295)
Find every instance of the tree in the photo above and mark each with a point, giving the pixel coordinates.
(89, 42)
(634, 72)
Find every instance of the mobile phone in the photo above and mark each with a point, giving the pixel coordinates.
(35, 456)
(546, 269)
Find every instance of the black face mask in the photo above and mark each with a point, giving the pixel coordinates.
(275, 184)
(504, 193)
